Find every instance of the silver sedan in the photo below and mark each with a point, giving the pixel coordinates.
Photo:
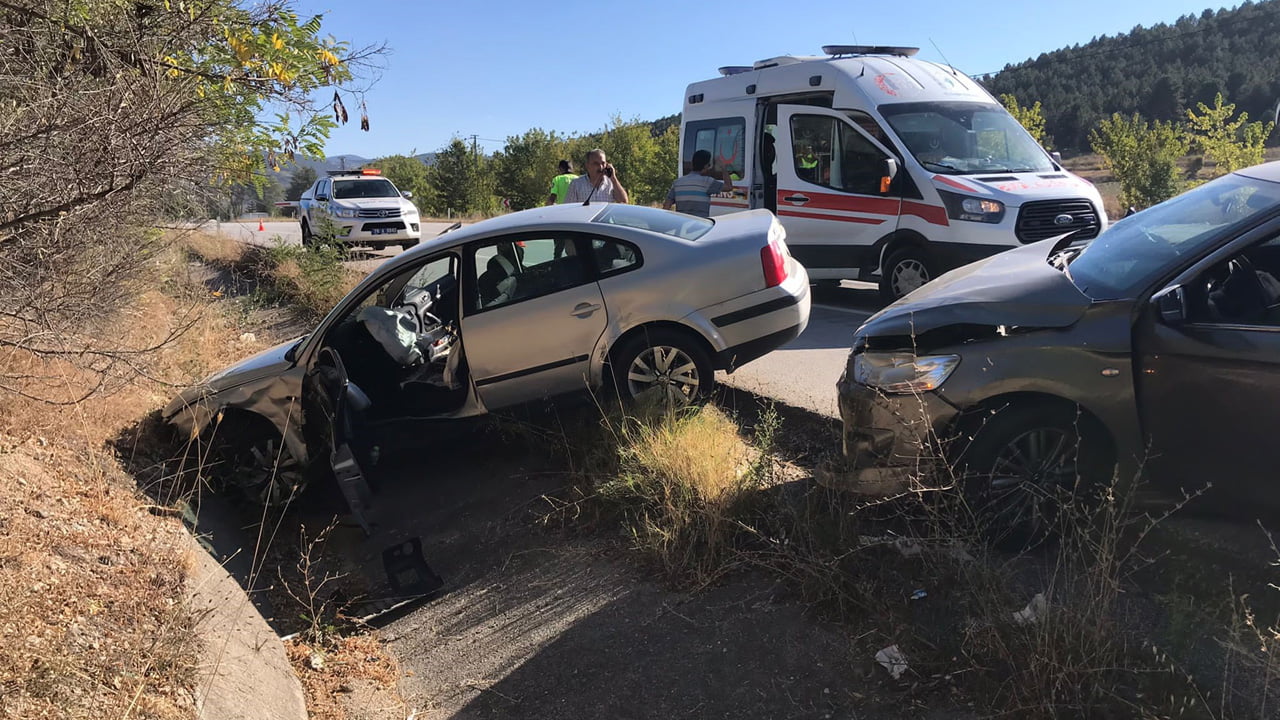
(520, 308)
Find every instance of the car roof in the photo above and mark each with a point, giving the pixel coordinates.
(532, 219)
(1266, 171)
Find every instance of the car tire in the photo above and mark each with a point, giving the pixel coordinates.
(671, 358)
(308, 239)
(250, 457)
(1023, 462)
(904, 270)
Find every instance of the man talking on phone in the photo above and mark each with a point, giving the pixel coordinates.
(600, 184)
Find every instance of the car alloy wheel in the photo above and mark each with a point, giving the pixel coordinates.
(1025, 463)
(251, 457)
(662, 363)
(667, 369)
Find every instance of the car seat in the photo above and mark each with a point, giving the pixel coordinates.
(497, 283)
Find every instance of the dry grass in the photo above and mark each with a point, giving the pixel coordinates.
(92, 618)
(332, 672)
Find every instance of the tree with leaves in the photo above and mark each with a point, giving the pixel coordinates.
(1229, 144)
(462, 183)
(410, 175)
(523, 169)
(1142, 156)
(1030, 117)
(304, 176)
(110, 109)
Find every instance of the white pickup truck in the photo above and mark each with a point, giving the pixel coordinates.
(358, 207)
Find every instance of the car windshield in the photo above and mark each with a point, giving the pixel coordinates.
(1134, 252)
(347, 189)
(964, 138)
(686, 227)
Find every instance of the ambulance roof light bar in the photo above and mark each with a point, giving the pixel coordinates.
(870, 50)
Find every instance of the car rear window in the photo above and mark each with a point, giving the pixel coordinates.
(685, 227)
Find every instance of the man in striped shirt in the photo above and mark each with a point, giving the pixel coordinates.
(692, 193)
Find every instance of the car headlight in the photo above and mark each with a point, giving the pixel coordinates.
(973, 209)
(342, 212)
(903, 372)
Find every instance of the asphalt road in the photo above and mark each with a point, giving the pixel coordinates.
(801, 374)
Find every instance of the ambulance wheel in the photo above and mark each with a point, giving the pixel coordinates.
(905, 270)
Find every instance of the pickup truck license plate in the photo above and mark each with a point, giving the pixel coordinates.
(382, 231)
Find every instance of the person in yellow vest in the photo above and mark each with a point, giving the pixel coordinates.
(560, 183)
(807, 162)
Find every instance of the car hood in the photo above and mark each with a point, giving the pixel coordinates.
(1017, 288)
(267, 363)
(1014, 189)
(380, 203)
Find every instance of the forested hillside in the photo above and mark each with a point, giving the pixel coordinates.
(1158, 71)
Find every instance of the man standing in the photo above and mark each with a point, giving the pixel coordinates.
(560, 183)
(692, 193)
(600, 184)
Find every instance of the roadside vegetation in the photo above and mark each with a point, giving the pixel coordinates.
(1068, 628)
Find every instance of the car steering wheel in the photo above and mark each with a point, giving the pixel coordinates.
(1242, 289)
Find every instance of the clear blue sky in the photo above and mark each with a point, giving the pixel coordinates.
(498, 68)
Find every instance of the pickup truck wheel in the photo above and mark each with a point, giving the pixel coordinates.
(905, 270)
(408, 244)
(307, 238)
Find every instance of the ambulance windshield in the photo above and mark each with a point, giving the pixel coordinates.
(965, 138)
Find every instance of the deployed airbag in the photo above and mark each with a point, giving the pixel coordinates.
(395, 330)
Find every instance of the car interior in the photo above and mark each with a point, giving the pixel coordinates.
(401, 347)
(1243, 290)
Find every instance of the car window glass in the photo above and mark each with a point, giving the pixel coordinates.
(1134, 252)
(656, 220)
(828, 152)
(613, 256)
(1243, 290)
(431, 272)
(724, 138)
(509, 271)
(350, 189)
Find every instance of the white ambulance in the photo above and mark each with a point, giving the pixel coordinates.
(878, 163)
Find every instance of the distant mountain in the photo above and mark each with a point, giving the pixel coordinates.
(335, 162)
(1159, 71)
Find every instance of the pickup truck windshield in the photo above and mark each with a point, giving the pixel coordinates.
(347, 189)
(965, 138)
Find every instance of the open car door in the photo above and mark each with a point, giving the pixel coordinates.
(331, 405)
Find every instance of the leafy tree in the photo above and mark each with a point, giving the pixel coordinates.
(304, 176)
(1143, 157)
(524, 167)
(1230, 144)
(408, 173)
(462, 185)
(1030, 117)
(112, 109)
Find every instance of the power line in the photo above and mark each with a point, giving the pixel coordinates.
(1054, 61)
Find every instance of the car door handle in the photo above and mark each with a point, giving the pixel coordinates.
(797, 199)
(584, 309)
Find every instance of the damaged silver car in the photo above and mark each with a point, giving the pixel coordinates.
(1153, 348)
(517, 309)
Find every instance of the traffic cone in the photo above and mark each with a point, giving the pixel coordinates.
(260, 227)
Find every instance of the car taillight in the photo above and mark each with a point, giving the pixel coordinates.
(774, 264)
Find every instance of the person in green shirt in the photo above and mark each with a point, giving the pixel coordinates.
(560, 183)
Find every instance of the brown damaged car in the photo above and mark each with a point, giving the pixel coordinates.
(1154, 348)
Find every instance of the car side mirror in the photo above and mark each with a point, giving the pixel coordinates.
(1172, 306)
(322, 197)
(406, 194)
(1057, 156)
(890, 172)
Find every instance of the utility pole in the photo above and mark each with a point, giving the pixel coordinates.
(473, 146)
